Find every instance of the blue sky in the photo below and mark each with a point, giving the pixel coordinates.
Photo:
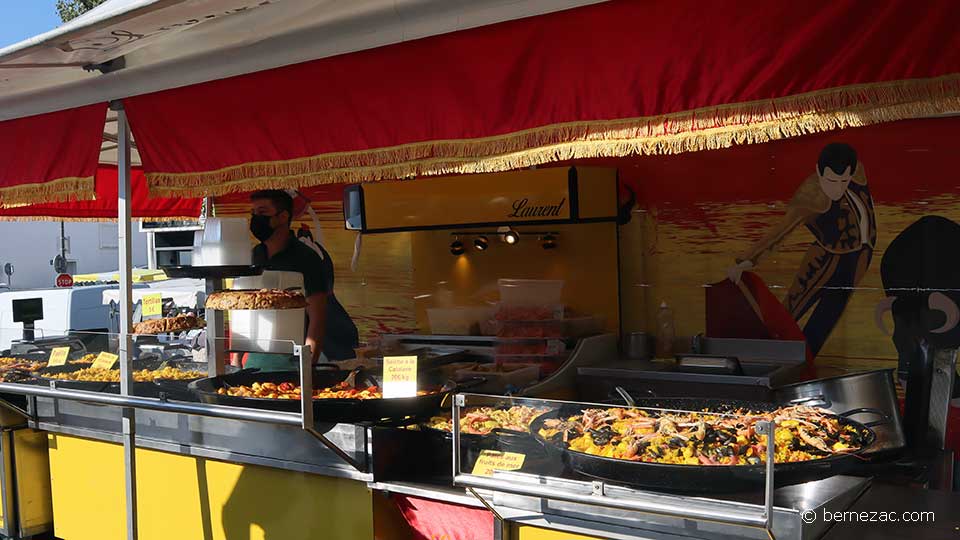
(20, 19)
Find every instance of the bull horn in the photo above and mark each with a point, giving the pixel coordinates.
(941, 302)
(883, 306)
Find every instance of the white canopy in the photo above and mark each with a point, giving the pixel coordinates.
(160, 44)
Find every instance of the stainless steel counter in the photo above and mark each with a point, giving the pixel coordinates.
(256, 443)
(575, 506)
(605, 510)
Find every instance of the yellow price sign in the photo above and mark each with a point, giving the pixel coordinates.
(58, 356)
(152, 305)
(399, 376)
(105, 360)
(492, 460)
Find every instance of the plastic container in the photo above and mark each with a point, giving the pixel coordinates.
(582, 326)
(544, 312)
(265, 330)
(501, 377)
(457, 321)
(223, 241)
(270, 279)
(529, 329)
(534, 347)
(548, 363)
(666, 331)
(530, 292)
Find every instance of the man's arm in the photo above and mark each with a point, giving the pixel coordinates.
(317, 323)
(769, 242)
(774, 236)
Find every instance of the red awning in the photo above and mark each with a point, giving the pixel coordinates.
(50, 157)
(104, 206)
(612, 79)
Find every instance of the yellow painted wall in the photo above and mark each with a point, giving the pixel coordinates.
(182, 497)
(585, 258)
(663, 258)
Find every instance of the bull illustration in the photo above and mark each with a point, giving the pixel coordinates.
(921, 278)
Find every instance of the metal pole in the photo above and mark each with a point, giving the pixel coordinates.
(459, 400)
(769, 429)
(124, 200)
(306, 385)
(216, 328)
(151, 250)
(306, 407)
(63, 243)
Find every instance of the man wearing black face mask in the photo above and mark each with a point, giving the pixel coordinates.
(329, 328)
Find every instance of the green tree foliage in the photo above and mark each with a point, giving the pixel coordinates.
(71, 9)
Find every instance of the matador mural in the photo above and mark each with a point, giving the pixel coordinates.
(835, 205)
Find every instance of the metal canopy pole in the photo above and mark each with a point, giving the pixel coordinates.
(124, 201)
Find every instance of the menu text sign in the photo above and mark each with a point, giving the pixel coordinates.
(152, 305)
(399, 376)
(105, 360)
(492, 460)
(58, 356)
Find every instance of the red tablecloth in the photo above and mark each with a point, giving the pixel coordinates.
(434, 520)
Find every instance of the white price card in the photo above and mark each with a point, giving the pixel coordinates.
(399, 376)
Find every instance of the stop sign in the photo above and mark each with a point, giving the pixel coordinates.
(64, 280)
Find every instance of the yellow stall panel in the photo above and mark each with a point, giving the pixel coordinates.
(33, 480)
(536, 533)
(186, 497)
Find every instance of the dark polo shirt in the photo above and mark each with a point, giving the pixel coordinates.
(341, 336)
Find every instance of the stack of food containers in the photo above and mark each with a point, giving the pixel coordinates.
(223, 241)
(529, 323)
(264, 330)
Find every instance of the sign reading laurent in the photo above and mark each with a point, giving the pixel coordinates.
(550, 195)
(523, 209)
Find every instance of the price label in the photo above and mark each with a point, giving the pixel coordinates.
(58, 356)
(399, 376)
(492, 460)
(152, 305)
(105, 360)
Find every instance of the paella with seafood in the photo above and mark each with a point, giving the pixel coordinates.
(705, 438)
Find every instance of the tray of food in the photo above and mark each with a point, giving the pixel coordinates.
(38, 360)
(500, 428)
(178, 323)
(244, 299)
(658, 445)
(423, 451)
(152, 378)
(339, 396)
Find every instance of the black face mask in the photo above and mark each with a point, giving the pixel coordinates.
(260, 227)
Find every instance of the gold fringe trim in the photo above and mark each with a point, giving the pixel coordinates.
(8, 218)
(698, 129)
(74, 188)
